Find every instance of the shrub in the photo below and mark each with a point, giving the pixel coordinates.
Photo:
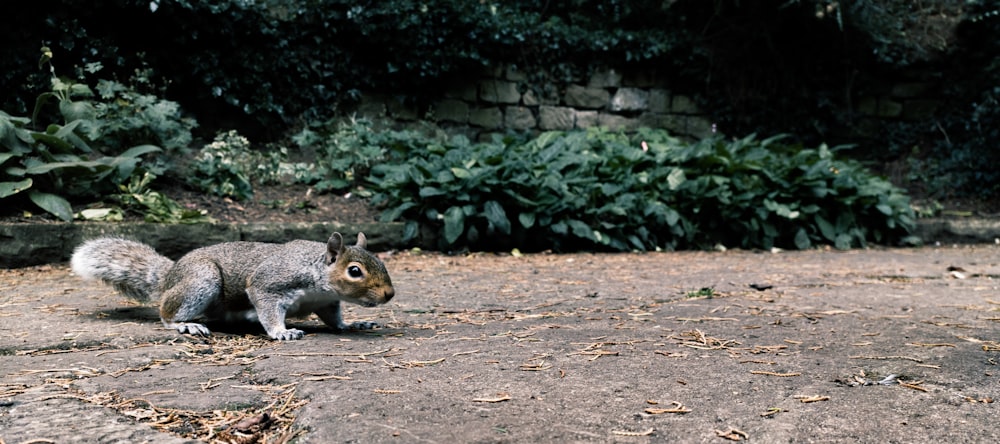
(345, 151)
(129, 117)
(92, 154)
(227, 167)
(608, 190)
(49, 167)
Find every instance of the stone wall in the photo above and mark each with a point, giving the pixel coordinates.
(503, 98)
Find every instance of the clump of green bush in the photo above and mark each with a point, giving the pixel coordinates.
(229, 167)
(344, 151)
(646, 191)
(95, 147)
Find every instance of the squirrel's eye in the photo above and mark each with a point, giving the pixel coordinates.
(354, 271)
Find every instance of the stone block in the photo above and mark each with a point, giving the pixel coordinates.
(645, 78)
(519, 117)
(616, 122)
(499, 91)
(880, 107)
(889, 108)
(605, 78)
(467, 92)
(910, 90)
(372, 106)
(586, 119)
(402, 111)
(698, 127)
(515, 74)
(919, 109)
(529, 98)
(555, 117)
(867, 105)
(659, 101)
(630, 99)
(451, 110)
(683, 105)
(673, 123)
(588, 98)
(486, 117)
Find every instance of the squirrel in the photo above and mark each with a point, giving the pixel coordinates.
(234, 281)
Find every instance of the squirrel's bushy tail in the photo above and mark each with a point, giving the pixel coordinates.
(133, 268)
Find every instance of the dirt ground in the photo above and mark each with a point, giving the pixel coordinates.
(882, 345)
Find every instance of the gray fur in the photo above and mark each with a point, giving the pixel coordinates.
(242, 280)
(133, 268)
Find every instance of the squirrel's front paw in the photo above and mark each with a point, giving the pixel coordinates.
(190, 328)
(290, 334)
(361, 325)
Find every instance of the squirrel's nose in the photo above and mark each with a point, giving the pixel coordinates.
(389, 293)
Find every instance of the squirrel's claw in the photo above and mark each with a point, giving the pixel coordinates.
(190, 328)
(361, 325)
(290, 334)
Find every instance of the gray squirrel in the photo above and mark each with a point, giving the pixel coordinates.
(237, 281)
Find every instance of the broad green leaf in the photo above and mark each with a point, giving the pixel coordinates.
(496, 215)
(139, 150)
(461, 173)
(6, 156)
(802, 241)
(431, 192)
(454, 224)
(559, 228)
(393, 214)
(43, 168)
(52, 141)
(843, 241)
(675, 179)
(12, 188)
(410, 230)
(581, 229)
(636, 243)
(527, 219)
(102, 214)
(53, 204)
(826, 228)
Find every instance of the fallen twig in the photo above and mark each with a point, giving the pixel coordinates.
(888, 357)
(677, 408)
(782, 375)
(627, 433)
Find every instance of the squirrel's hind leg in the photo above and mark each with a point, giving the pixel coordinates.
(199, 287)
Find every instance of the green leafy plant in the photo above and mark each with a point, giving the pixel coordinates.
(127, 117)
(64, 162)
(50, 167)
(345, 151)
(155, 206)
(609, 190)
(703, 292)
(227, 167)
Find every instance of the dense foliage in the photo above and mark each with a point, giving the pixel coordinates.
(273, 62)
(264, 67)
(98, 146)
(599, 189)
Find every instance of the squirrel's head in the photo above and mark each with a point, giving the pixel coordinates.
(356, 274)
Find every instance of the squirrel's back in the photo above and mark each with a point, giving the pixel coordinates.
(133, 268)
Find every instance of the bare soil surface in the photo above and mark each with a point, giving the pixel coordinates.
(274, 204)
(881, 345)
(280, 203)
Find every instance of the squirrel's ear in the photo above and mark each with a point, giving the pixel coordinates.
(334, 247)
(362, 240)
